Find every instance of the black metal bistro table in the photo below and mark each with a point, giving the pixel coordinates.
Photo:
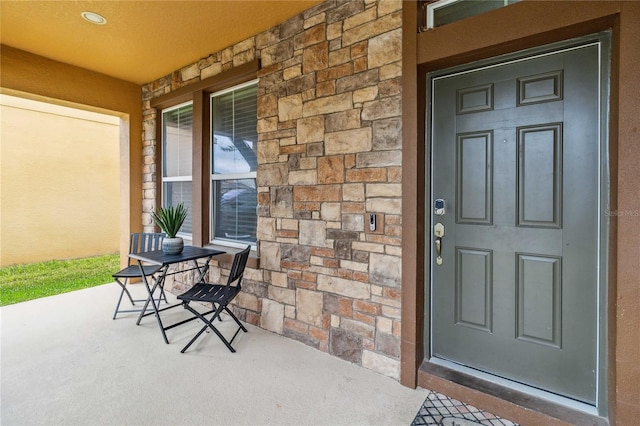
(189, 254)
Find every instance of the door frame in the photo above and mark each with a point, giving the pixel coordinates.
(483, 381)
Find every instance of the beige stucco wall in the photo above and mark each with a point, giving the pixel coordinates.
(35, 77)
(59, 182)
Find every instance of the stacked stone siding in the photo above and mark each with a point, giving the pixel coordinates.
(329, 151)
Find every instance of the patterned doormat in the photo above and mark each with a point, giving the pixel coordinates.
(439, 409)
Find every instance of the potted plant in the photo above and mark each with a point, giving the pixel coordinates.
(170, 219)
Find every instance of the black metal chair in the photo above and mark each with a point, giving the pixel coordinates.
(138, 242)
(219, 296)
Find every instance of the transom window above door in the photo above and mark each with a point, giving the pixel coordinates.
(443, 12)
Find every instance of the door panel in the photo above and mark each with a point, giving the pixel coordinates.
(474, 182)
(540, 176)
(539, 289)
(515, 155)
(473, 288)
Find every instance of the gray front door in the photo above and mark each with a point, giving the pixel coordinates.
(515, 159)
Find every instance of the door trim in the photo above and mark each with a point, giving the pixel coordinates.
(469, 376)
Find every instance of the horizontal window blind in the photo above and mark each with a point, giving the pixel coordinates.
(235, 210)
(177, 137)
(234, 163)
(177, 146)
(234, 120)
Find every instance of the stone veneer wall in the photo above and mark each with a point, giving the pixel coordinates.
(329, 150)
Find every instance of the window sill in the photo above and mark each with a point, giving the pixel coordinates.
(227, 258)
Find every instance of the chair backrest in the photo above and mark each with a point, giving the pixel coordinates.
(237, 269)
(147, 241)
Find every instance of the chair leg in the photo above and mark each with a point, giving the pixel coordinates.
(115, 313)
(126, 290)
(122, 292)
(143, 311)
(161, 296)
(228, 311)
(209, 324)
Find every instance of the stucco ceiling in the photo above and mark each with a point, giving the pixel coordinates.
(143, 39)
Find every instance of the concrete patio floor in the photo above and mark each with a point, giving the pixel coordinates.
(65, 361)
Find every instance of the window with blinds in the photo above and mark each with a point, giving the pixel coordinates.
(234, 141)
(177, 131)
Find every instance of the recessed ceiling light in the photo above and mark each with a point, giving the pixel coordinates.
(94, 18)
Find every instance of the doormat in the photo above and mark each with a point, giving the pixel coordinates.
(439, 409)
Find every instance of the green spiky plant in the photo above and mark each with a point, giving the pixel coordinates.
(170, 219)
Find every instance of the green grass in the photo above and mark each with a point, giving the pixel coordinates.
(19, 283)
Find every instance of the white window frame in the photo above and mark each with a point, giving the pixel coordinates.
(231, 176)
(184, 178)
(432, 7)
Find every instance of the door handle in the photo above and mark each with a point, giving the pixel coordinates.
(438, 231)
(439, 250)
